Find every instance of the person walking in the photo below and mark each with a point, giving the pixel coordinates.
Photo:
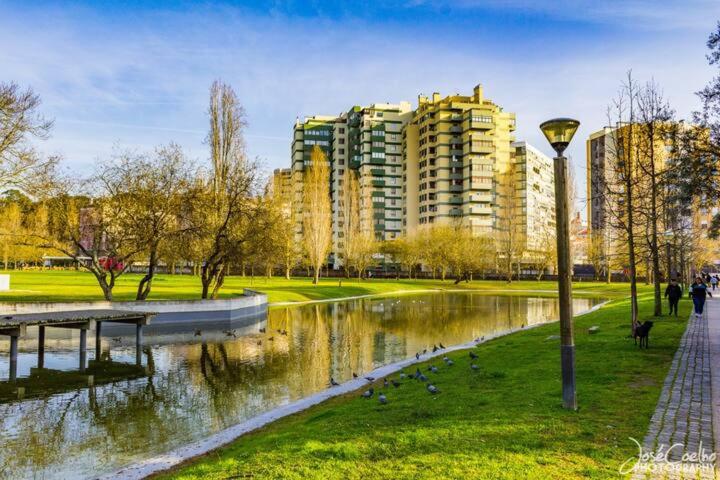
(714, 282)
(699, 291)
(673, 292)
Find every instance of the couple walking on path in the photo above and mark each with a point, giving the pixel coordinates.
(699, 291)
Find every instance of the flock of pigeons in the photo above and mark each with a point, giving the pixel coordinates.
(418, 375)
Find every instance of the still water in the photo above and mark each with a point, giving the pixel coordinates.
(196, 382)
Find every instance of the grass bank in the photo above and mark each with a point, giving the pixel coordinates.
(64, 286)
(502, 421)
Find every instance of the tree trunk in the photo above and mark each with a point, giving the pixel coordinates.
(316, 276)
(287, 273)
(146, 282)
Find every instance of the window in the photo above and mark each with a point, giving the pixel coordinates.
(378, 154)
(482, 119)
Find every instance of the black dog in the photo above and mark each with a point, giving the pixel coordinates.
(643, 332)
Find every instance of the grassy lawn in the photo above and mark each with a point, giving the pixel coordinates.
(503, 421)
(59, 286)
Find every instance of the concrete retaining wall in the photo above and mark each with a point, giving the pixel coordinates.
(251, 304)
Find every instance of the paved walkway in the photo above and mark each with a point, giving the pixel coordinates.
(680, 438)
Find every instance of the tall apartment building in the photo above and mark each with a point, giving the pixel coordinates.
(375, 146)
(535, 196)
(366, 142)
(454, 148)
(282, 182)
(600, 146)
(316, 130)
(441, 163)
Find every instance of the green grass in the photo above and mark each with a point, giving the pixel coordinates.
(504, 421)
(64, 286)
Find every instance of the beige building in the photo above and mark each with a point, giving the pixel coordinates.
(438, 164)
(455, 147)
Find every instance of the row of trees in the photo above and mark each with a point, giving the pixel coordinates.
(136, 207)
(662, 176)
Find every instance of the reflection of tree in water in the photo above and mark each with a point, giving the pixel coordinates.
(193, 389)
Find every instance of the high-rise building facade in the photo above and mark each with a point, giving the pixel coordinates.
(441, 163)
(454, 149)
(534, 192)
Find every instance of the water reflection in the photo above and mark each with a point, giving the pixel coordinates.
(197, 383)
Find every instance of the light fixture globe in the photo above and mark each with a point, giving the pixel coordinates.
(559, 132)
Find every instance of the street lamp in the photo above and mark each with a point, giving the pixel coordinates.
(559, 132)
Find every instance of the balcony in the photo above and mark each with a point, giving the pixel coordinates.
(354, 164)
(378, 183)
(478, 147)
(378, 204)
(377, 172)
(456, 201)
(376, 161)
(456, 188)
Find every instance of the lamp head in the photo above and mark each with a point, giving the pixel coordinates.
(559, 132)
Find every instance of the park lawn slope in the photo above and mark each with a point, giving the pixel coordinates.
(69, 286)
(503, 421)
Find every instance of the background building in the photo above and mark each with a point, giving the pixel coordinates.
(535, 195)
(446, 162)
(455, 147)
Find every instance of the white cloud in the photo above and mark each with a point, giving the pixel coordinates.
(143, 82)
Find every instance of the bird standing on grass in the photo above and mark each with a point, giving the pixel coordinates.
(432, 389)
(382, 399)
(385, 383)
(473, 355)
(368, 393)
(395, 383)
(474, 367)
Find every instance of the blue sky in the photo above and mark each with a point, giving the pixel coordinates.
(136, 74)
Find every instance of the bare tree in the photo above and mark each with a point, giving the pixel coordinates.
(620, 187)
(508, 238)
(227, 122)
(655, 122)
(20, 165)
(228, 214)
(317, 215)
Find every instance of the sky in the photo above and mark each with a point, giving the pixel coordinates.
(136, 74)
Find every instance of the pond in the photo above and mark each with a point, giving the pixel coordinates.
(196, 382)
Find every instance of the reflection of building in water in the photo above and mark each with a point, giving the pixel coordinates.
(199, 385)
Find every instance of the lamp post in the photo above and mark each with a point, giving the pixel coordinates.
(559, 132)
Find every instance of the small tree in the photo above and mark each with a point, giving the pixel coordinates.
(84, 227)
(508, 238)
(149, 197)
(317, 215)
